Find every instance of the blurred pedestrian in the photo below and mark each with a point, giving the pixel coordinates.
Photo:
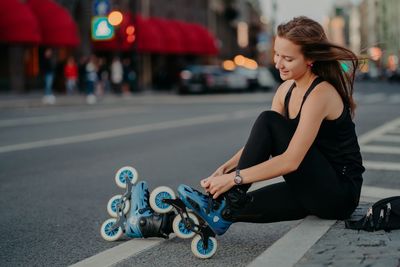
(71, 75)
(128, 77)
(117, 73)
(91, 79)
(49, 68)
(104, 78)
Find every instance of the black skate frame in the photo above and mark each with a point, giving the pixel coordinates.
(121, 219)
(202, 229)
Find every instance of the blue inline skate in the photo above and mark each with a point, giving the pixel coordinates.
(131, 212)
(205, 219)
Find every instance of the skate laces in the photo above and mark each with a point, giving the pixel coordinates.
(146, 201)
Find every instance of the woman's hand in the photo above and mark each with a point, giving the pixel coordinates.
(216, 185)
(220, 171)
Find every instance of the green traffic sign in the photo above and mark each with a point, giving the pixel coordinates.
(102, 29)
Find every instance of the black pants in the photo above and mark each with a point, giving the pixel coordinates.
(313, 189)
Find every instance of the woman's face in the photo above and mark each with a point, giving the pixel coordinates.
(289, 59)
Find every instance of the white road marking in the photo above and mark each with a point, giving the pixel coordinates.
(380, 149)
(289, 249)
(381, 165)
(394, 99)
(70, 116)
(374, 98)
(394, 131)
(378, 192)
(389, 138)
(118, 253)
(381, 130)
(131, 130)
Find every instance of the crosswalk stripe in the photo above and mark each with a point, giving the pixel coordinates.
(380, 149)
(379, 165)
(389, 138)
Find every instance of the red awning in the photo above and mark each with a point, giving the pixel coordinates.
(56, 24)
(149, 36)
(171, 38)
(157, 35)
(17, 23)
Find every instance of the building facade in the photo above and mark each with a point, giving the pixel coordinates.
(224, 19)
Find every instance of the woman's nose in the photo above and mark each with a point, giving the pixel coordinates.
(278, 64)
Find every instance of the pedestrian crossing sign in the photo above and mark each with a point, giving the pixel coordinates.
(102, 29)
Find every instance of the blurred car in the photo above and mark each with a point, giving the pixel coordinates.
(260, 78)
(201, 79)
(235, 81)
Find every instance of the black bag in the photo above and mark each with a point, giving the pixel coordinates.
(382, 215)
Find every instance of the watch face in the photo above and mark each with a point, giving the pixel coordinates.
(238, 179)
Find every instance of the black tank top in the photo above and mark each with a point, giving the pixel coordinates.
(336, 139)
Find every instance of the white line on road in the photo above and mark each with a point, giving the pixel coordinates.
(132, 130)
(289, 249)
(380, 149)
(372, 135)
(118, 253)
(394, 131)
(381, 165)
(374, 98)
(389, 138)
(69, 117)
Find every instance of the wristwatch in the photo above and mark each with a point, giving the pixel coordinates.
(238, 178)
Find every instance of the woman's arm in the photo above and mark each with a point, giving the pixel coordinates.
(229, 165)
(315, 109)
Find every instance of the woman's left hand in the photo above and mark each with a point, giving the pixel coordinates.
(216, 185)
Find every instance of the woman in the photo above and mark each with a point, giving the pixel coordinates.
(308, 137)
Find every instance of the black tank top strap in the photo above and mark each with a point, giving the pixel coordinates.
(287, 99)
(316, 81)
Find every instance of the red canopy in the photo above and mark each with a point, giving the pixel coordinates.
(172, 40)
(17, 23)
(157, 35)
(56, 24)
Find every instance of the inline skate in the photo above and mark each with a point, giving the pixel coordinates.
(131, 213)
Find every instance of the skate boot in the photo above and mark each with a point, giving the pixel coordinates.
(207, 208)
(132, 213)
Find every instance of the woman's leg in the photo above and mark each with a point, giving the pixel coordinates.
(314, 188)
(273, 203)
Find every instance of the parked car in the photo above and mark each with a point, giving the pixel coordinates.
(235, 81)
(260, 78)
(201, 79)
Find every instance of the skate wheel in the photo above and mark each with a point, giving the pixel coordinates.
(112, 206)
(156, 197)
(179, 227)
(199, 251)
(126, 172)
(106, 232)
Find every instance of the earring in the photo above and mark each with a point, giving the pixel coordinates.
(310, 65)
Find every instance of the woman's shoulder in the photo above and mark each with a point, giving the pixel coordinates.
(325, 89)
(284, 87)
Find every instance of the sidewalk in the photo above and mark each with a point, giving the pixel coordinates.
(338, 246)
(344, 247)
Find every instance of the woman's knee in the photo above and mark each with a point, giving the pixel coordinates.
(270, 116)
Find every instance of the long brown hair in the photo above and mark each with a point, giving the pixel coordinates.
(326, 56)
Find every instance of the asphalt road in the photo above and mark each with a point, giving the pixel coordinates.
(57, 167)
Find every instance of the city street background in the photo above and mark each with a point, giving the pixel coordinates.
(56, 177)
